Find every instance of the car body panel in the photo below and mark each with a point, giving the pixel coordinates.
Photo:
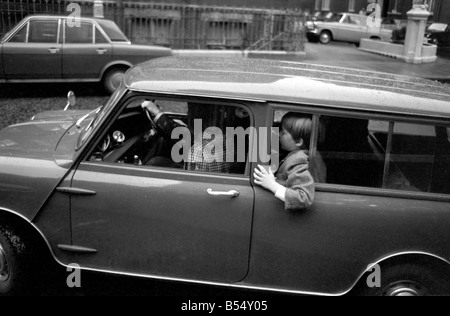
(331, 244)
(34, 62)
(61, 61)
(438, 33)
(28, 166)
(162, 223)
(174, 228)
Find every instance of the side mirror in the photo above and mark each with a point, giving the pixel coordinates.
(70, 100)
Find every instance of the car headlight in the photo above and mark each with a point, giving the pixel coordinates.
(310, 25)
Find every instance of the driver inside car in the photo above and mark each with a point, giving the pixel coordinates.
(198, 158)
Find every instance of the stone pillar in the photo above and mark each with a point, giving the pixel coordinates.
(98, 9)
(417, 20)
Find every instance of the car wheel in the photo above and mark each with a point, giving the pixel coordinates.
(408, 280)
(13, 264)
(325, 37)
(113, 78)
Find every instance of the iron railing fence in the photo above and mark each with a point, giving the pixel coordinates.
(179, 26)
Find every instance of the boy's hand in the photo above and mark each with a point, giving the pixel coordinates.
(265, 178)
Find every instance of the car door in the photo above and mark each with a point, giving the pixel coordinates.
(34, 52)
(351, 29)
(161, 221)
(86, 51)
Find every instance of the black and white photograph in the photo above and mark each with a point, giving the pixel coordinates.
(221, 156)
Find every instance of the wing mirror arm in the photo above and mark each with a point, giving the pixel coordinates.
(70, 100)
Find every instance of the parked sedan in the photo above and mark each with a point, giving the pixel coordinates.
(44, 48)
(347, 27)
(110, 190)
(438, 34)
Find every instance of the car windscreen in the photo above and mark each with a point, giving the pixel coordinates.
(113, 31)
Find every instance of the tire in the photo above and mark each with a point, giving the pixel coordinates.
(325, 37)
(408, 280)
(14, 268)
(112, 79)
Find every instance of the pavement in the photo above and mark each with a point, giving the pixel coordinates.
(345, 55)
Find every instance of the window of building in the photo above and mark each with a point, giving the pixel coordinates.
(326, 5)
(318, 5)
(351, 5)
(395, 6)
(431, 5)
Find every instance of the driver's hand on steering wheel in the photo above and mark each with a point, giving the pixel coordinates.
(151, 107)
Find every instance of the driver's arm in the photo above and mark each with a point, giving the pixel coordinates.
(163, 122)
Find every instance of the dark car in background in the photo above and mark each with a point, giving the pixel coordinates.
(438, 34)
(46, 48)
(85, 188)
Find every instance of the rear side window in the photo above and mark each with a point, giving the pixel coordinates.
(81, 34)
(99, 38)
(385, 154)
(113, 31)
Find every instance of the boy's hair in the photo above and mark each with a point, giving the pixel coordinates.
(299, 126)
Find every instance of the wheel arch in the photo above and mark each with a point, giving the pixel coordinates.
(419, 258)
(114, 64)
(327, 30)
(16, 222)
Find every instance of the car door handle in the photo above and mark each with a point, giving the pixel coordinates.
(101, 51)
(53, 50)
(232, 193)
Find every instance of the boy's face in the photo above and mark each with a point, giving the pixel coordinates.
(287, 142)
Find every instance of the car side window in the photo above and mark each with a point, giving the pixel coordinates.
(191, 136)
(355, 20)
(81, 34)
(99, 37)
(386, 154)
(317, 165)
(420, 155)
(20, 36)
(351, 157)
(43, 31)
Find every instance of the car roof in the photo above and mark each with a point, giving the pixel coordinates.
(264, 80)
(59, 16)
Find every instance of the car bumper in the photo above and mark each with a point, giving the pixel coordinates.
(312, 35)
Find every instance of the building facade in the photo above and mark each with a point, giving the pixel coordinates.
(225, 24)
(396, 9)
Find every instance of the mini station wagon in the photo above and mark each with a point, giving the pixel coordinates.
(45, 48)
(83, 187)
